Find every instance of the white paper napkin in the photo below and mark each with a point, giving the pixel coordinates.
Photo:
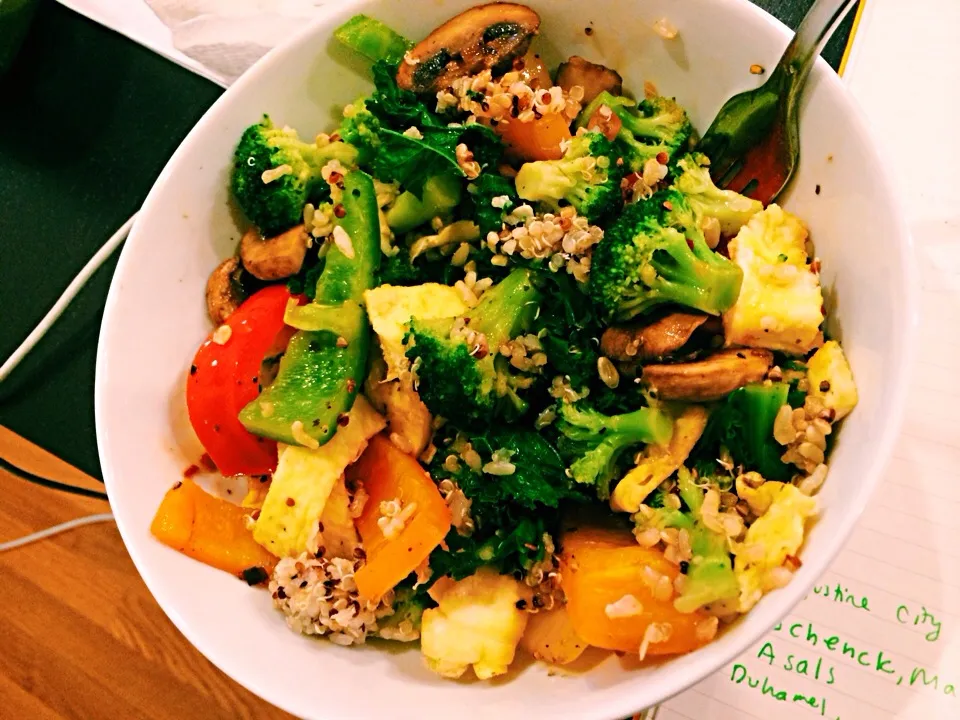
(218, 39)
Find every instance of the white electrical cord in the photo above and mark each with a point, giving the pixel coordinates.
(68, 295)
(55, 530)
(101, 256)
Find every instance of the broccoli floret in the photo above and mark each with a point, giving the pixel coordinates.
(587, 177)
(277, 205)
(743, 425)
(731, 209)
(596, 440)
(654, 253)
(361, 128)
(462, 376)
(481, 194)
(710, 577)
(657, 125)
(408, 607)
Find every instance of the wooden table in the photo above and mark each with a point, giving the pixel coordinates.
(82, 636)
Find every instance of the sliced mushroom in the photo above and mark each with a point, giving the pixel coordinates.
(628, 343)
(708, 379)
(483, 37)
(224, 292)
(274, 258)
(593, 78)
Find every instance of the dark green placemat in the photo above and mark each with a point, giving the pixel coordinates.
(89, 119)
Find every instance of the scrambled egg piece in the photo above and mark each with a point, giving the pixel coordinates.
(658, 463)
(477, 623)
(390, 308)
(831, 379)
(780, 303)
(305, 479)
(777, 533)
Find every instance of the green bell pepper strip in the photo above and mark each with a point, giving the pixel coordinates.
(323, 368)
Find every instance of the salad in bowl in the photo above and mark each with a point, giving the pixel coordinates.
(499, 366)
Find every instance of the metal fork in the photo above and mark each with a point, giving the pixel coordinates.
(753, 143)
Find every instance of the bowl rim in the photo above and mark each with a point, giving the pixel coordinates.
(616, 703)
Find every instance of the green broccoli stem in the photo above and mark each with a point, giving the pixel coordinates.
(689, 492)
(759, 406)
(372, 39)
(505, 308)
(441, 193)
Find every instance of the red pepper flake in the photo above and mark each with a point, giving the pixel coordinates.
(190, 472)
(757, 69)
(291, 502)
(690, 243)
(815, 265)
(351, 385)
(339, 210)
(792, 562)
(341, 342)
(335, 178)
(178, 485)
(546, 99)
(207, 462)
(343, 419)
(334, 137)
(668, 205)
(662, 157)
(619, 162)
(255, 514)
(519, 64)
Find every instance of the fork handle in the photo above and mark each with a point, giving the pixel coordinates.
(814, 30)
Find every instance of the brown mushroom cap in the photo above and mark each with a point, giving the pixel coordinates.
(711, 378)
(592, 77)
(482, 37)
(666, 335)
(274, 258)
(224, 292)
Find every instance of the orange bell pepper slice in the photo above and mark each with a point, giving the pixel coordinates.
(599, 568)
(208, 529)
(535, 140)
(388, 474)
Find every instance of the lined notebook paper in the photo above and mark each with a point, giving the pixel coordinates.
(879, 637)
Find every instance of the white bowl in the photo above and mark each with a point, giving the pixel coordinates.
(155, 319)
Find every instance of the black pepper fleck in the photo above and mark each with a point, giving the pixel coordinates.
(193, 369)
(817, 189)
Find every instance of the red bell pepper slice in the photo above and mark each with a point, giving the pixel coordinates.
(225, 376)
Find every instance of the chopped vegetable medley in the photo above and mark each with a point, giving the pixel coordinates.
(503, 367)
